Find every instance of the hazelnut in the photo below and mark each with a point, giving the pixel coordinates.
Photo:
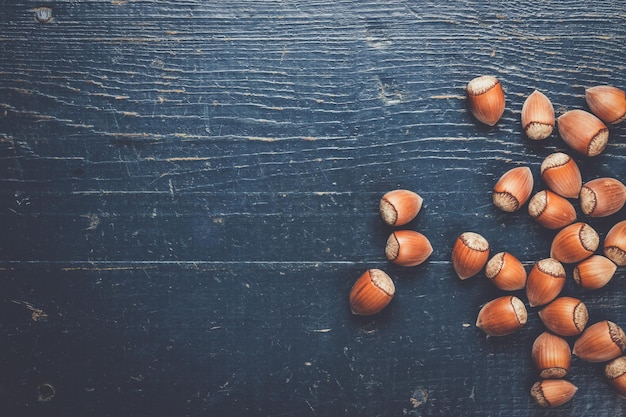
(615, 244)
(600, 342)
(469, 254)
(551, 355)
(398, 207)
(594, 272)
(552, 393)
(574, 243)
(502, 316)
(537, 116)
(513, 189)
(583, 132)
(565, 316)
(371, 292)
(506, 272)
(608, 103)
(545, 281)
(486, 99)
(408, 248)
(615, 372)
(602, 197)
(561, 174)
(551, 210)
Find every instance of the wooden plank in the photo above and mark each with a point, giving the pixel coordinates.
(211, 337)
(189, 189)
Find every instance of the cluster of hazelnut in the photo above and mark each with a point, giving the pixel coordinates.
(575, 242)
(374, 289)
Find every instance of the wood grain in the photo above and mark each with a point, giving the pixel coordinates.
(188, 190)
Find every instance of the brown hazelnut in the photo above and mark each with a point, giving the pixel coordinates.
(608, 103)
(408, 248)
(469, 254)
(551, 210)
(600, 342)
(594, 272)
(485, 98)
(545, 281)
(552, 393)
(502, 316)
(561, 174)
(602, 197)
(615, 244)
(583, 132)
(506, 272)
(574, 243)
(398, 207)
(551, 355)
(565, 316)
(371, 292)
(537, 116)
(513, 189)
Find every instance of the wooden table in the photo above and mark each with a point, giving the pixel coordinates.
(189, 189)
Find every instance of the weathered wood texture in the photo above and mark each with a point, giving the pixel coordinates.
(188, 189)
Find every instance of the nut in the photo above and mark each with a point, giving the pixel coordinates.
(545, 281)
(600, 342)
(565, 316)
(583, 132)
(615, 244)
(594, 272)
(469, 254)
(551, 355)
(502, 316)
(608, 103)
(513, 189)
(602, 197)
(551, 210)
(552, 393)
(398, 207)
(486, 99)
(615, 372)
(408, 248)
(537, 116)
(574, 243)
(371, 292)
(561, 174)
(506, 272)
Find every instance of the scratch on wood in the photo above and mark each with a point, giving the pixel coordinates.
(187, 159)
(444, 97)
(261, 139)
(37, 313)
(419, 397)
